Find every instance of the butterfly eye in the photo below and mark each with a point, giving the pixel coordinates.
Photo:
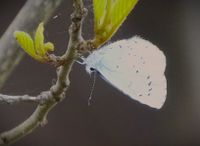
(92, 69)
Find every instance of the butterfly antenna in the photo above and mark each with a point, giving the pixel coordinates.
(92, 89)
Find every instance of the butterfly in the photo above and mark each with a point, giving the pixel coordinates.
(134, 66)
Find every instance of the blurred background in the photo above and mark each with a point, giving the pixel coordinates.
(113, 119)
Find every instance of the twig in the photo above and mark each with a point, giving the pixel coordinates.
(57, 92)
(33, 12)
(9, 99)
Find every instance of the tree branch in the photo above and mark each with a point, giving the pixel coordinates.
(9, 99)
(57, 91)
(32, 13)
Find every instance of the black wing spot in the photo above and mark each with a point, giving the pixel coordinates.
(137, 71)
(149, 84)
(148, 77)
(149, 94)
(150, 89)
(117, 66)
(140, 95)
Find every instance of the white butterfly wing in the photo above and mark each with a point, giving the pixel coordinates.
(136, 67)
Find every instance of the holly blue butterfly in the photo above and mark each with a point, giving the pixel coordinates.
(134, 66)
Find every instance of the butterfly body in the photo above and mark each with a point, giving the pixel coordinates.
(134, 66)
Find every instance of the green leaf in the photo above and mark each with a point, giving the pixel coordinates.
(108, 17)
(35, 48)
(26, 43)
(48, 47)
(39, 39)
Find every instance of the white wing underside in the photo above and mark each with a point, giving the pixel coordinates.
(136, 67)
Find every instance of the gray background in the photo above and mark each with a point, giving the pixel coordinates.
(113, 119)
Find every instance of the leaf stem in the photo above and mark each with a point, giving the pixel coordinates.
(8, 99)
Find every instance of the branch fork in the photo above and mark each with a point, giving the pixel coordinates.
(48, 99)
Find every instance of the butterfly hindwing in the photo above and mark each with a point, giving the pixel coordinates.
(135, 67)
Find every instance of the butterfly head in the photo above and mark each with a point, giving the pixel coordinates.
(90, 67)
(92, 62)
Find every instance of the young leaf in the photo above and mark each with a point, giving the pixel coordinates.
(108, 16)
(26, 43)
(35, 48)
(48, 47)
(39, 39)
